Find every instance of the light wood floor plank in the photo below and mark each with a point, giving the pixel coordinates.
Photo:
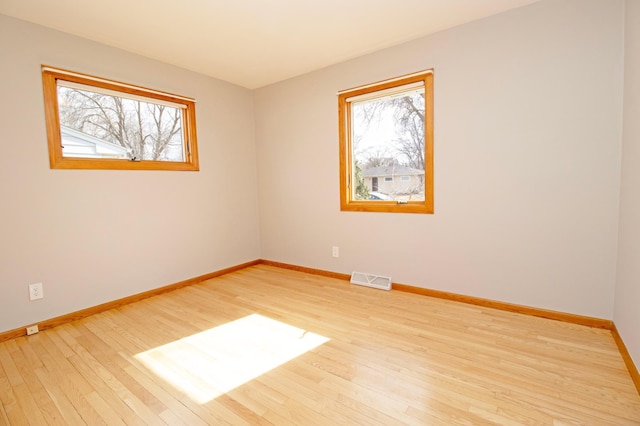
(68, 413)
(68, 379)
(9, 408)
(391, 358)
(173, 405)
(29, 365)
(4, 419)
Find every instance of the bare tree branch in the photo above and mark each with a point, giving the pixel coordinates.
(146, 129)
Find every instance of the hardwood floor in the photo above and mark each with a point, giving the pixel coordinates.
(272, 346)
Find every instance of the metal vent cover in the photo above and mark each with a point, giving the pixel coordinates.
(371, 280)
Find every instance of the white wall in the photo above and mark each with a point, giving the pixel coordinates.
(627, 296)
(94, 236)
(527, 157)
(528, 107)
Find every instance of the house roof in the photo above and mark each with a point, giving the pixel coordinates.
(391, 171)
(78, 144)
(253, 43)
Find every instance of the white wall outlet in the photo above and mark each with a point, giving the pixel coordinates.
(335, 251)
(35, 291)
(32, 330)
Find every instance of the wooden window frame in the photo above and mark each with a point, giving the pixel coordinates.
(347, 201)
(50, 78)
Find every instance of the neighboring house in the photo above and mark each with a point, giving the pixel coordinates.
(394, 179)
(78, 144)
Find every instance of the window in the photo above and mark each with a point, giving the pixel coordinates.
(94, 123)
(386, 131)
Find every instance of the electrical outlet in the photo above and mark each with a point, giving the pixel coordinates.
(35, 291)
(32, 330)
(335, 251)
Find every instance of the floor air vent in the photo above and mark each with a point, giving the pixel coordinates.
(370, 280)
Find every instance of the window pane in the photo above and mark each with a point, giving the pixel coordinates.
(99, 125)
(388, 147)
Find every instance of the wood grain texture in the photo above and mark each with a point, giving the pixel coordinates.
(345, 130)
(391, 358)
(50, 77)
(626, 356)
(63, 319)
(510, 307)
(306, 270)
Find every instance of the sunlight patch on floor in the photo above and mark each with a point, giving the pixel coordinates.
(215, 361)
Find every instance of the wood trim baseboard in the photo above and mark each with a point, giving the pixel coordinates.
(510, 307)
(537, 312)
(543, 313)
(312, 271)
(526, 310)
(63, 319)
(626, 356)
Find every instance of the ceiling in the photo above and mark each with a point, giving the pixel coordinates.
(253, 43)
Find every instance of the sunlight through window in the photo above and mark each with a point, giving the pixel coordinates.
(213, 362)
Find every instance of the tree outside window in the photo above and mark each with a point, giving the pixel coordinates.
(386, 145)
(97, 123)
